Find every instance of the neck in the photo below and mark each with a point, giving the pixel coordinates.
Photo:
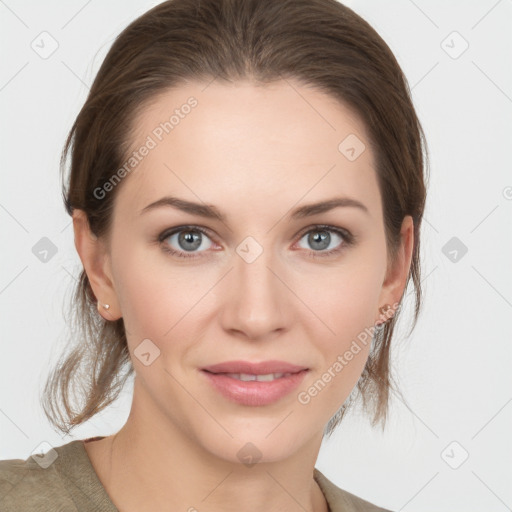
(155, 465)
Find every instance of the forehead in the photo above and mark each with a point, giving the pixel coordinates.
(248, 147)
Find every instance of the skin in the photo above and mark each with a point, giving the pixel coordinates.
(255, 153)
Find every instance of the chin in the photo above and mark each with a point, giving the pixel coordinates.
(263, 443)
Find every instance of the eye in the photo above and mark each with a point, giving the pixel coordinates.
(321, 238)
(187, 241)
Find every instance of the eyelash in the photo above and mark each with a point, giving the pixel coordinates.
(348, 240)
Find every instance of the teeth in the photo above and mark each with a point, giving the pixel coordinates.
(246, 377)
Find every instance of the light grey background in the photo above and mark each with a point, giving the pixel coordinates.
(454, 370)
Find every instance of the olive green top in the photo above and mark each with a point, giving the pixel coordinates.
(64, 480)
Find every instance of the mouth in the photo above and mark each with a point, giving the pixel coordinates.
(254, 384)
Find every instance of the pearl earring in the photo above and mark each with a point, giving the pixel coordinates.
(106, 306)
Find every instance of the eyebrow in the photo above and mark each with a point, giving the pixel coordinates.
(210, 212)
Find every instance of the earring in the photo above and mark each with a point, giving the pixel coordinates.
(106, 306)
(383, 310)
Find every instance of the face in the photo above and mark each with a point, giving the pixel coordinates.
(248, 274)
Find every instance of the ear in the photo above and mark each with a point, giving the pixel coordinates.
(96, 262)
(396, 276)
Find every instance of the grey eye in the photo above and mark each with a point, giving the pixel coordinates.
(320, 239)
(188, 240)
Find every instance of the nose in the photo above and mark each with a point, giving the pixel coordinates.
(257, 301)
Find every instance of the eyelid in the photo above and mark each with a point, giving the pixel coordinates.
(185, 227)
(327, 227)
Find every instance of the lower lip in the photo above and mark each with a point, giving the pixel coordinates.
(254, 392)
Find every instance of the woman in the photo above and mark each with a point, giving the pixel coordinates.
(247, 188)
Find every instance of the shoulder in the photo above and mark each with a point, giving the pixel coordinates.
(340, 500)
(29, 485)
(60, 480)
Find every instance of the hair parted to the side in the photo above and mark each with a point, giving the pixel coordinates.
(320, 43)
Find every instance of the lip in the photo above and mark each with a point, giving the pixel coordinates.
(255, 368)
(254, 393)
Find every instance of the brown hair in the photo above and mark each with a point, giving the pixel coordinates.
(321, 43)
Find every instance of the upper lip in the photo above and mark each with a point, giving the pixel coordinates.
(262, 368)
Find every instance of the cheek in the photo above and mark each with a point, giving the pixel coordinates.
(148, 296)
(158, 298)
(345, 299)
(348, 318)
